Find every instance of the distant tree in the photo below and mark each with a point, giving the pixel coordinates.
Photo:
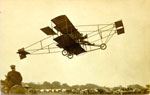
(46, 85)
(33, 85)
(148, 86)
(76, 86)
(137, 86)
(56, 85)
(90, 86)
(65, 85)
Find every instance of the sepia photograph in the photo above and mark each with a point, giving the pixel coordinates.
(74, 47)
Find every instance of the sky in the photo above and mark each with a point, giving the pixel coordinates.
(125, 61)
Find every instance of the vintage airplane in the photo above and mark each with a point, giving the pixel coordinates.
(72, 42)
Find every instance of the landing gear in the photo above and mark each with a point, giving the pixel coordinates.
(66, 53)
(70, 56)
(103, 46)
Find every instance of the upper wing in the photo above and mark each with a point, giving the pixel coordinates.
(64, 25)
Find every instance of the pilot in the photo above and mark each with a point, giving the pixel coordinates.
(13, 77)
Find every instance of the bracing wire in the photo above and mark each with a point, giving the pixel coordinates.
(37, 42)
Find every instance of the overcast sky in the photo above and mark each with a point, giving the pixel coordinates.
(125, 61)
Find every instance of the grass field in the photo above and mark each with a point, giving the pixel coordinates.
(70, 94)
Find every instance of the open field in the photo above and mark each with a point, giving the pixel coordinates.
(71, 94)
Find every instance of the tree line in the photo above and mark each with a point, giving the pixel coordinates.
(58, 85)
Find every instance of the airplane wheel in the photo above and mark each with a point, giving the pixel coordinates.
(64, 53)
(103, 46)
(70, 56)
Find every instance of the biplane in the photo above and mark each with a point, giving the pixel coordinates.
(71, 40)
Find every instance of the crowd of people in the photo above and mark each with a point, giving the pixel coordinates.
(92, 91)
(13, 84)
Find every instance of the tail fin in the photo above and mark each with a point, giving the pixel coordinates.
(22, 53)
